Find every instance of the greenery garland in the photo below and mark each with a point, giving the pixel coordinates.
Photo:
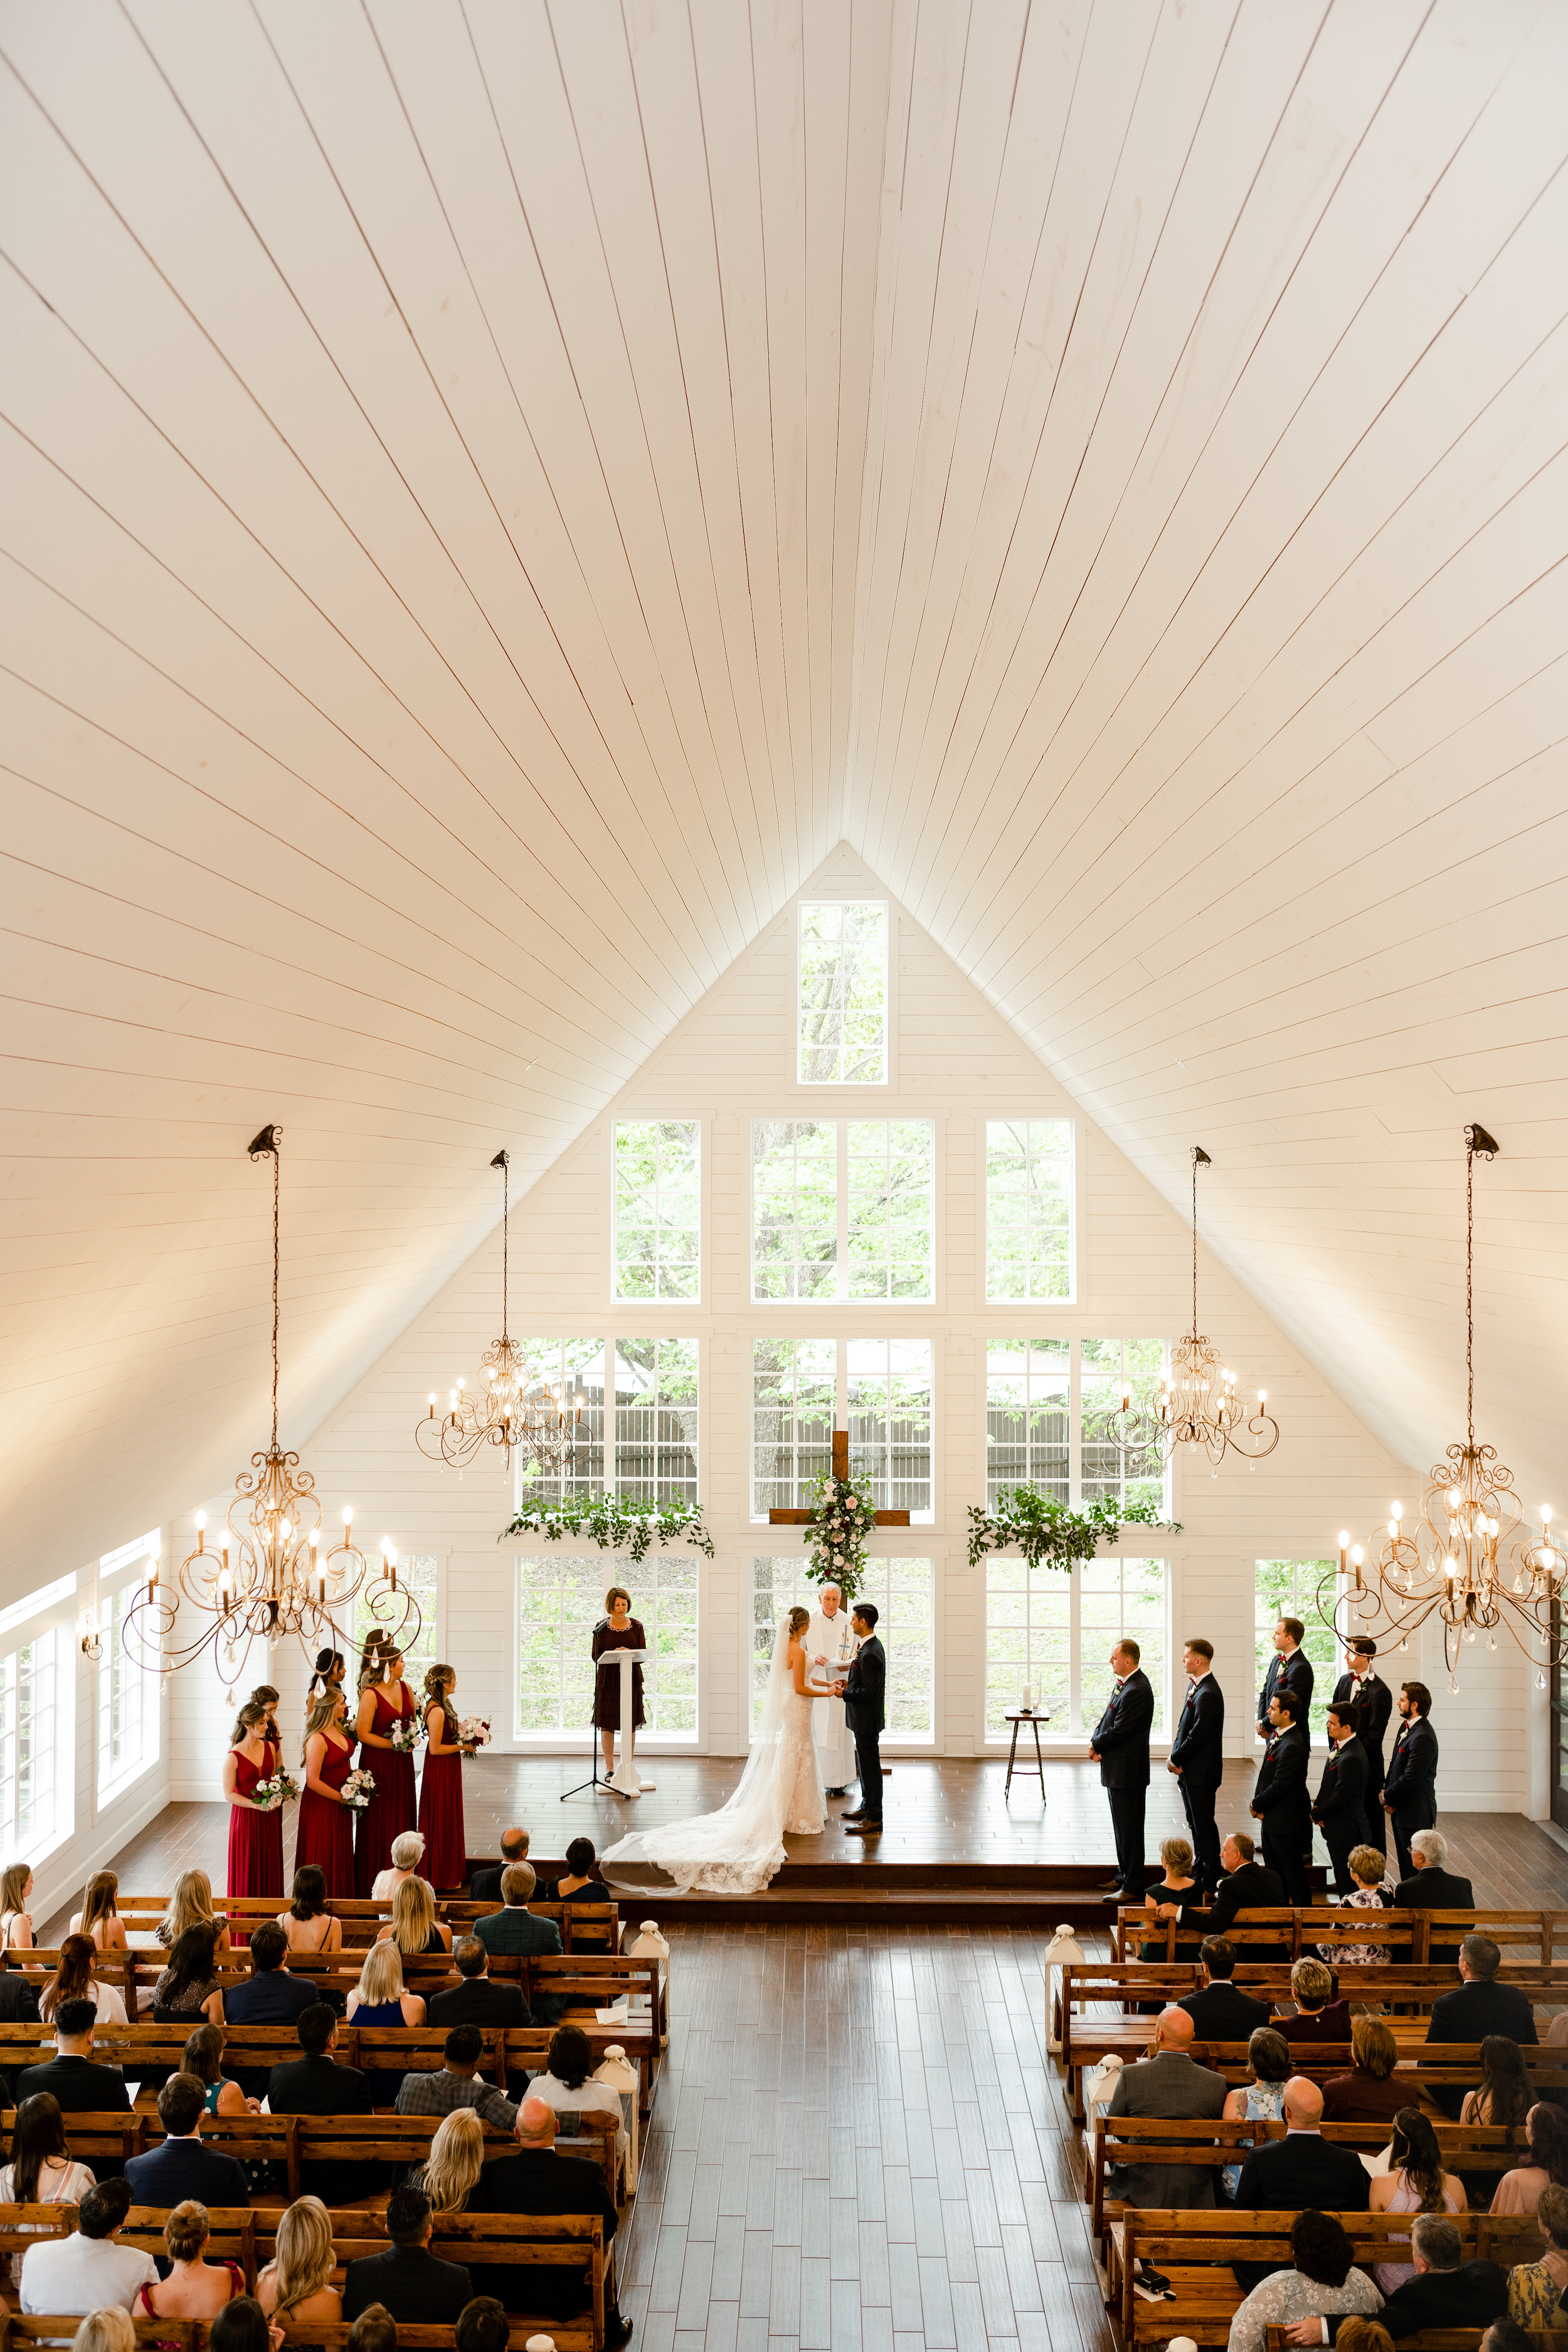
(1048, 1533)
(613, 1525)
(843, 1515)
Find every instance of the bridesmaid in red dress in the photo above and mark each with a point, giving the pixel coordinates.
(385, 1699)
(255, 1836)
(441, 1787)
(326, 1823)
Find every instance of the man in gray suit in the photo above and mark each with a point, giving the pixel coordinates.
(1171, 2086)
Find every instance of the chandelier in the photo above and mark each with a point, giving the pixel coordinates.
(509, 1409)
(1198, 1404)
(1470, 1562)
(269, 1578)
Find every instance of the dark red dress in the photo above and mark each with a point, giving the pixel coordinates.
(254, 1840)
(394, 1807)
(607, 1682)
(441, 1818)
(327, 1831)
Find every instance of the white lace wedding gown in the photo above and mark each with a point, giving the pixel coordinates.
(737, 1850)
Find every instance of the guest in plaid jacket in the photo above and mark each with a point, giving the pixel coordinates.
(455, 2086)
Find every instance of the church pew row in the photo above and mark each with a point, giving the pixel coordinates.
(20, 2334)
(1429, 2066)
(246, 2237)
(1301, 1928)
(1194, 2250)
(1428, 2339)
(422, 1972)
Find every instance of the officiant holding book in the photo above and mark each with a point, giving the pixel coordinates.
(865, 1691)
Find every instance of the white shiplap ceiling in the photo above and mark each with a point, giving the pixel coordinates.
(491, 493)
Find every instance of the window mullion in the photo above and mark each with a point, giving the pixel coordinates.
(841, 1284)
(1075, 1704)
(1075, 1428)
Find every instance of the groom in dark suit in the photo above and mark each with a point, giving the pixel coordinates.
(864, 1689)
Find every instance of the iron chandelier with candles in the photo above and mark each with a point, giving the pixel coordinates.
(1470, 1562)
(267, 1578)
(1197, 1405)
(508, 1408)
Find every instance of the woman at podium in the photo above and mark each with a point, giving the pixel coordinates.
(617, 1629)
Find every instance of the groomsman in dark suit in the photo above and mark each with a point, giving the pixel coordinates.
(1410, 1790)
(1279, 1798)
(1289, 1669)
(1341, 1808)
(1373, 1704)
(1197, 1759)
(1120, 1746)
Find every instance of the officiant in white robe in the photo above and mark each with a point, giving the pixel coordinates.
(830, 1644)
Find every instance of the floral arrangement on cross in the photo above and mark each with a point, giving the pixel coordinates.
(842, 1515)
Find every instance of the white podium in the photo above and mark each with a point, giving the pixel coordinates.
(625, 1779)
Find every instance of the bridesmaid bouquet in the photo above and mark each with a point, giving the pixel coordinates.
(474, 1731)
(407, 1734)
(358, 1789)
(279, 1789)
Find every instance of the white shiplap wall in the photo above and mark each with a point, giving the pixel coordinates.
(956, 1060)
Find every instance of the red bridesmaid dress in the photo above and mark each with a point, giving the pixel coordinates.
(394, 1807)
(441, 1819)
(327, 1831)
(254, 1840)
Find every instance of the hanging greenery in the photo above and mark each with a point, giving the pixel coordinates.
(843, 1515)
(613, 1525)
(1048, 1533)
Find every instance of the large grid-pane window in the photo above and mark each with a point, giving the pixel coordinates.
(795, 1395)
(658, 1207)
(904, 1592)
(842, 1016)
(416, 1573)
(656, 1420)
(1027, 1408)
(572, 1372)
(844, 1209)
(560, 1599)
(1108, 1366)
(891, 1202)
(34, 1799)
(794, 1208)
(1054, 1628)
(888, 1397)
(127, 1690)
(1029, 1209)
(1289, 1588)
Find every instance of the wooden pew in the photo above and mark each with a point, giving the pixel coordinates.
(1437, 2339)
(233, 2228)
(105, 2142)
(19, 2333)
(1301, 1927)
(405, 2141)
(561, 2240)
(1449, 2066)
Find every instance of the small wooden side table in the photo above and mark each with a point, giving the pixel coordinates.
(1037, 1771)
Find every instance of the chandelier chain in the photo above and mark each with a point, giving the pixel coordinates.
(277, 1248)
(1471, 1291)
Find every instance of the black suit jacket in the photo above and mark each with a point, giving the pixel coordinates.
(179, 2169)
(1198, 1746)
(412, 2283)
(1410, 1783)
(1296, 1672)
(864, 1687)
(78, 2086)
(1343, 1790)
(485, 1885)
(1285, 2176)
(1121, 1737)
(1437, 1890)
(1279, 1792)
(478, 2001)
(318, 2086)
(1373, 1703)
(18, 1998)
(537, 2180)
(1222, 2013)
(1472, 2297)
(1250, 1888)
(1473, 2011)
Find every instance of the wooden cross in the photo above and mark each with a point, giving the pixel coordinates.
(840, 1470)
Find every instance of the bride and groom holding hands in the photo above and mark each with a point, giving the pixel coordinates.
(738, 1849)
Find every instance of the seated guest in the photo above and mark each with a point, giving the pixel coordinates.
(568, 2086)
(514, 1928)
(70, 2078)
(269, 1996)
(1503, 2095)
(407, 2278)
(16, 1920)
(315, 2085)
(1373, 1891)
(1176, 1896)
(375, 2330)
(204, 2058)
(112, 2330)
(1369, 2094)
(181, 2167)
(308, 1925)
(98, 1919)
(1442, 2290)
(482, 2326)
(1286, 2176)
(1218, 2012)
(240, 2326)
(190, 1905)
(73, 1979)
(1324, 2279)
(41, 2171)
(1170, 2085)
(1262, 2100)
(485, 1885)
(476, 2001)
(1319, 2016)
(188, 1989)
(379, 1998)
(1535, 2290)
(1507, 2335)
(1546, 2140)
(1433, 1887)
(457, 2157)
(456, 2084)
(1247, 1885)
(1357, 2334)
(407, 1853)
(296, 2288)
(413, 1927)
(1414, 2183)
(88, 2269)
(582, 1883)
(195, 2288)
(1479, 2006)
(537, 2180)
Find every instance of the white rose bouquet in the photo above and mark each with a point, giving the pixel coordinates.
(358, 1791)
(407, 1734)
(474, 1731)
(279, 1789)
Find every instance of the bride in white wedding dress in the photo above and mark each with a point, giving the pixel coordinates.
(737, 1850)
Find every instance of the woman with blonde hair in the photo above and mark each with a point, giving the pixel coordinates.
(99, 1916)
(413, 1927)
(457, 2159)
(73, 1979)
(407, 1853)
(297, 2284)
(1178, 1896)
(441, 1784)
(110, 2330)
(195, 2288)
(379, 1998)
(190, 1905)
(16, 1920)
(1373, 1892)
(385, 1705)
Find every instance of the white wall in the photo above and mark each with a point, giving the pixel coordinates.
(956, 1061)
